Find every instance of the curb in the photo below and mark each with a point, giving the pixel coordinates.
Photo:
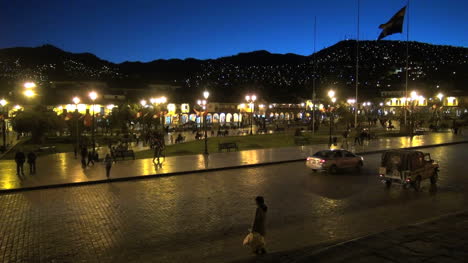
(142, 177)
(339, 244)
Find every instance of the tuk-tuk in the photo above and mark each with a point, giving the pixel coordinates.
(408, 168)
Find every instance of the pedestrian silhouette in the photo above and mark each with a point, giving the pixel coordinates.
(108, 163)
(20, 158)
(84, 154)
(256, 238)
(32, 162)
(91, 157)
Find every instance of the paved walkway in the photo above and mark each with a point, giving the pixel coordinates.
(435, 241)
(63, 168)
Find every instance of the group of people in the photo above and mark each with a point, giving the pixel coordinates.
(359, 135)
(20, 159)
(88, 157)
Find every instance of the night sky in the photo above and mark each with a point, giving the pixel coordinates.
(146, 30)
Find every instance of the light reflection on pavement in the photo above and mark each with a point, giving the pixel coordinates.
(204, 217)
(64, 168)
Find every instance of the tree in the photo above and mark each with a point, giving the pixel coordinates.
(37, 121)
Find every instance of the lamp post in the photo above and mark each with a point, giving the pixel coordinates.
(162, 101)
(251, 100)
(414, 97)
(93, 96)
(206, 94)
(331, 95)
(76, 100)
(3, 102)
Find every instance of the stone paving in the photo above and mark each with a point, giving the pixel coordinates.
(63, 168)
(436, 241)
(203, 217)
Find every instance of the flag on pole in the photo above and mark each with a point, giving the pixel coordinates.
(394, 25)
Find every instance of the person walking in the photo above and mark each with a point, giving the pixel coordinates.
(32, 162)
(258, 227)
(345, 139)
(91, 157)
(84, 154)
(20, 158)
(108, 163)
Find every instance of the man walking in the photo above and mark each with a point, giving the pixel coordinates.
(19, 159)
(32, 162)
(345, 139)
(108, 163)
(91, 157)
(84, 154)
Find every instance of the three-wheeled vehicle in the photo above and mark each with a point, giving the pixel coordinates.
(408, 168)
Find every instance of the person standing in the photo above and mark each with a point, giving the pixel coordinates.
(20, 158)
(32, 162)
(258, 226)
(108, 163)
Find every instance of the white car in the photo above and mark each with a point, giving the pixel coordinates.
(333, 160)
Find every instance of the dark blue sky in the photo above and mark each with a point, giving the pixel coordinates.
(146, 30)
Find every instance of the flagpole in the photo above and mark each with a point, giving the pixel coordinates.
(357, 69)
(313, 80)
(407, 60)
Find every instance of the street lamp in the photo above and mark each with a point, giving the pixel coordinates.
(331, 95)
(93, 96)
(3, 102)
(76, 100)
(414, 97)
(206, 94)
(143, 103)
(440, 96)
(251, 100)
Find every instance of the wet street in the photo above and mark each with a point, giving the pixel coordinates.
(204, 217)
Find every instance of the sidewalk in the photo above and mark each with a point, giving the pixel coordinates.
(63, 169)
(439, 240)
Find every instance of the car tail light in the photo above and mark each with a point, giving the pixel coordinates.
(309, 158)
(381, 175)
(322, 161)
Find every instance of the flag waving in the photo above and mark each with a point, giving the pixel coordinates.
(394, 25)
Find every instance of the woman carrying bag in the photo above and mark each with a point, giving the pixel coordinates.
(256, 238)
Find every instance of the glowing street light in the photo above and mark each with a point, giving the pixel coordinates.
(331, 93)
(333, 99)
(3, 102)
(143, 103)
(76, 100)
(206, 94)
(93, 95)
(440, 96)
(29, 85)
(29, 93)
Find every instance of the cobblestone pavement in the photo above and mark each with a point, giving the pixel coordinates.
(204, 217)
(438, 240)
(64, 168)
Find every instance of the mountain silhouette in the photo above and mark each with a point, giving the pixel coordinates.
(275, 77)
